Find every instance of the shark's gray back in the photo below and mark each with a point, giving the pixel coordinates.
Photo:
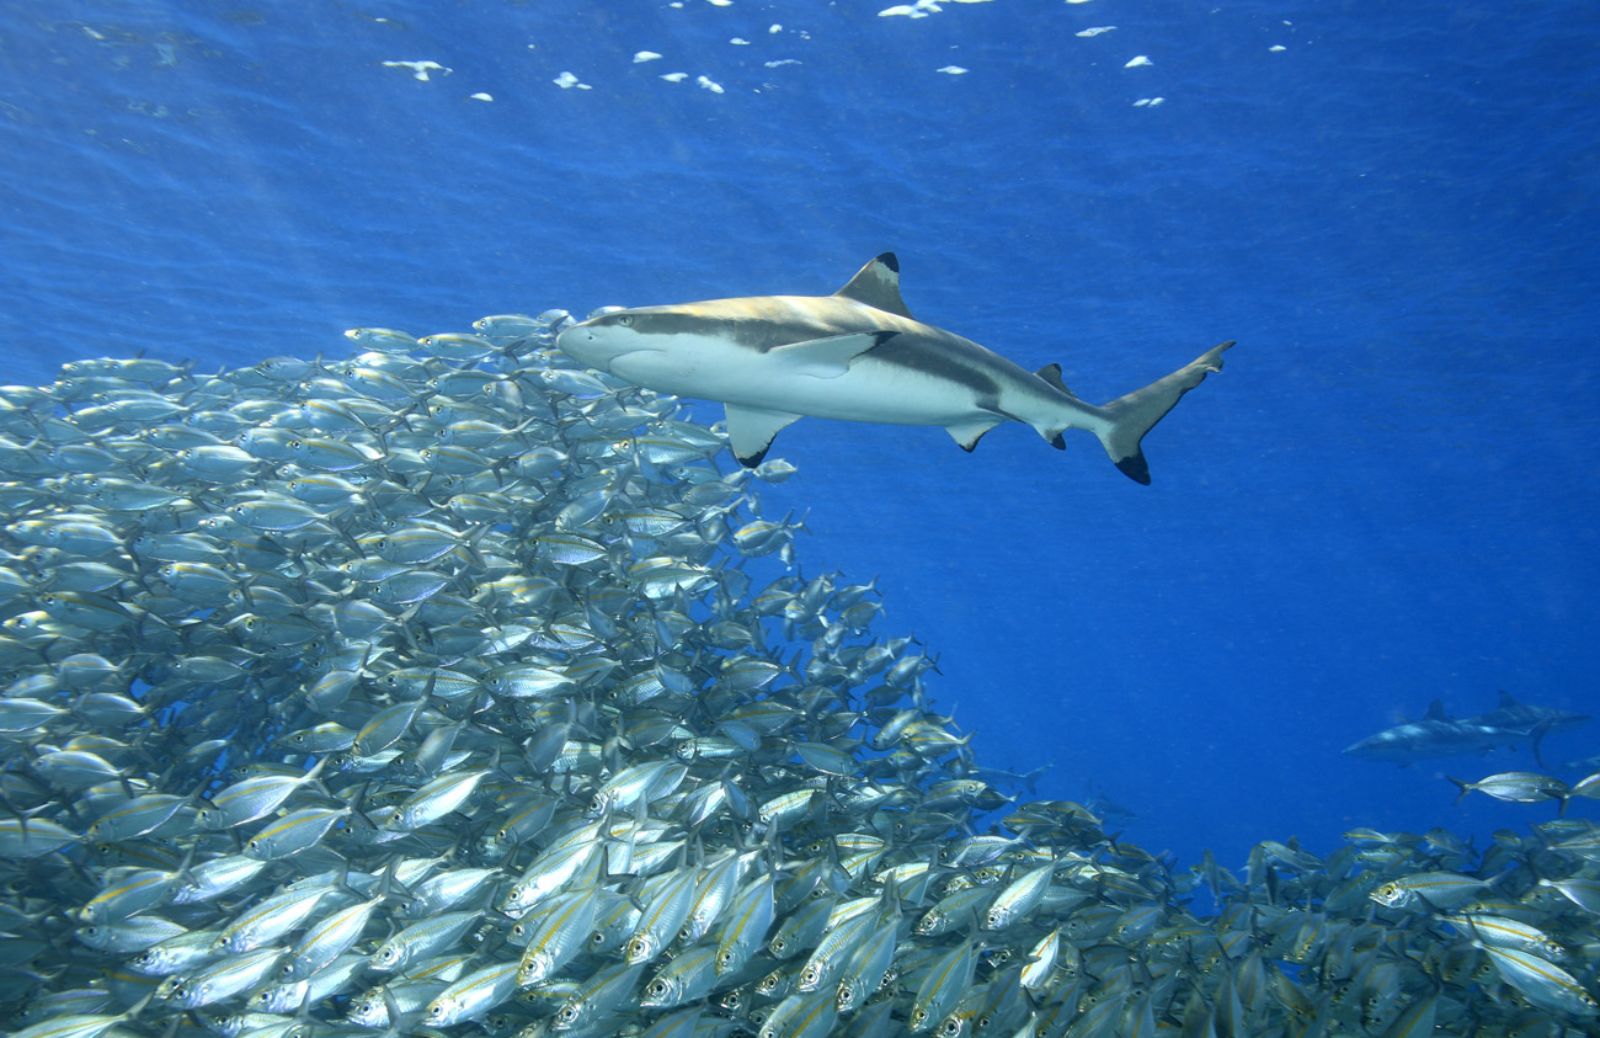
(765, 323)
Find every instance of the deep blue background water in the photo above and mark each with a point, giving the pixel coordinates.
(1388, 496)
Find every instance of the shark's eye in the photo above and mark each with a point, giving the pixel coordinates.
(626, 320)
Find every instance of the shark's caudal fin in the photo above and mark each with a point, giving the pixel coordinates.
(1135, 414)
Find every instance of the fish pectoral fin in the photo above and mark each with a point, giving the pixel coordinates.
(829, 357)
(751, 429)
(968, 433)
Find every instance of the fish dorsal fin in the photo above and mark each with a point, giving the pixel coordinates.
(1507, 700)
(1051, 373)
(878, 285)
(751, 430)
(1436, 712)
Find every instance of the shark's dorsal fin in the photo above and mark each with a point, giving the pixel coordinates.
(750, 431)
(877, 284)
(1051, 373)
(1436, 712)
(1507, 699)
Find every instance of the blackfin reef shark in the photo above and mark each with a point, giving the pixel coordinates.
(1512, 724)
(859, 355)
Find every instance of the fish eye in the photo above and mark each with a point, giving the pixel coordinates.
(626, 320)
(656, 989)
(567, 1014)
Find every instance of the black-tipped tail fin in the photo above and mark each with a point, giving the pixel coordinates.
(1137, 413)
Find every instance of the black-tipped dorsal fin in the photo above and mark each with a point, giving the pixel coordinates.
(1051, 373)
(877, 284)
(1436, 712)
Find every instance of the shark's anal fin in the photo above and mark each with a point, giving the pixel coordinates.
(967, 434)
(878, 285)
(750, 431)
(829, 357)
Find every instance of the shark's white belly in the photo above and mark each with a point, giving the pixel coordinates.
(870, 391)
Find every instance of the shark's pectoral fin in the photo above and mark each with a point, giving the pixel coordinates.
(751, 429)
(829, 357)
(968, 433)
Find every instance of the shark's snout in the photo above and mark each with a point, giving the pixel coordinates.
(585, 343)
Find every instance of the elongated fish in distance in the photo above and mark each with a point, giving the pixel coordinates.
(859, 355)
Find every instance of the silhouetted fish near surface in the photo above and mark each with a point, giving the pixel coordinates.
(859, 355)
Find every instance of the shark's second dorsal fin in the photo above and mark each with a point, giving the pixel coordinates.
(1436, 712)
(877, 284)
(1051, 373)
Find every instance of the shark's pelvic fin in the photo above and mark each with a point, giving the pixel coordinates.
(1135, 414)
(829, 357)
(967, 434)
(750, 431)
(877, 284)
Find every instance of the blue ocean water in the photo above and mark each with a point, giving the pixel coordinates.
(1386, 498)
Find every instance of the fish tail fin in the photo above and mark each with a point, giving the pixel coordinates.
(1461, 785)
(1137, 413)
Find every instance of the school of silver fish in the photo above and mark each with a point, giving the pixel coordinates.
(453, 689)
